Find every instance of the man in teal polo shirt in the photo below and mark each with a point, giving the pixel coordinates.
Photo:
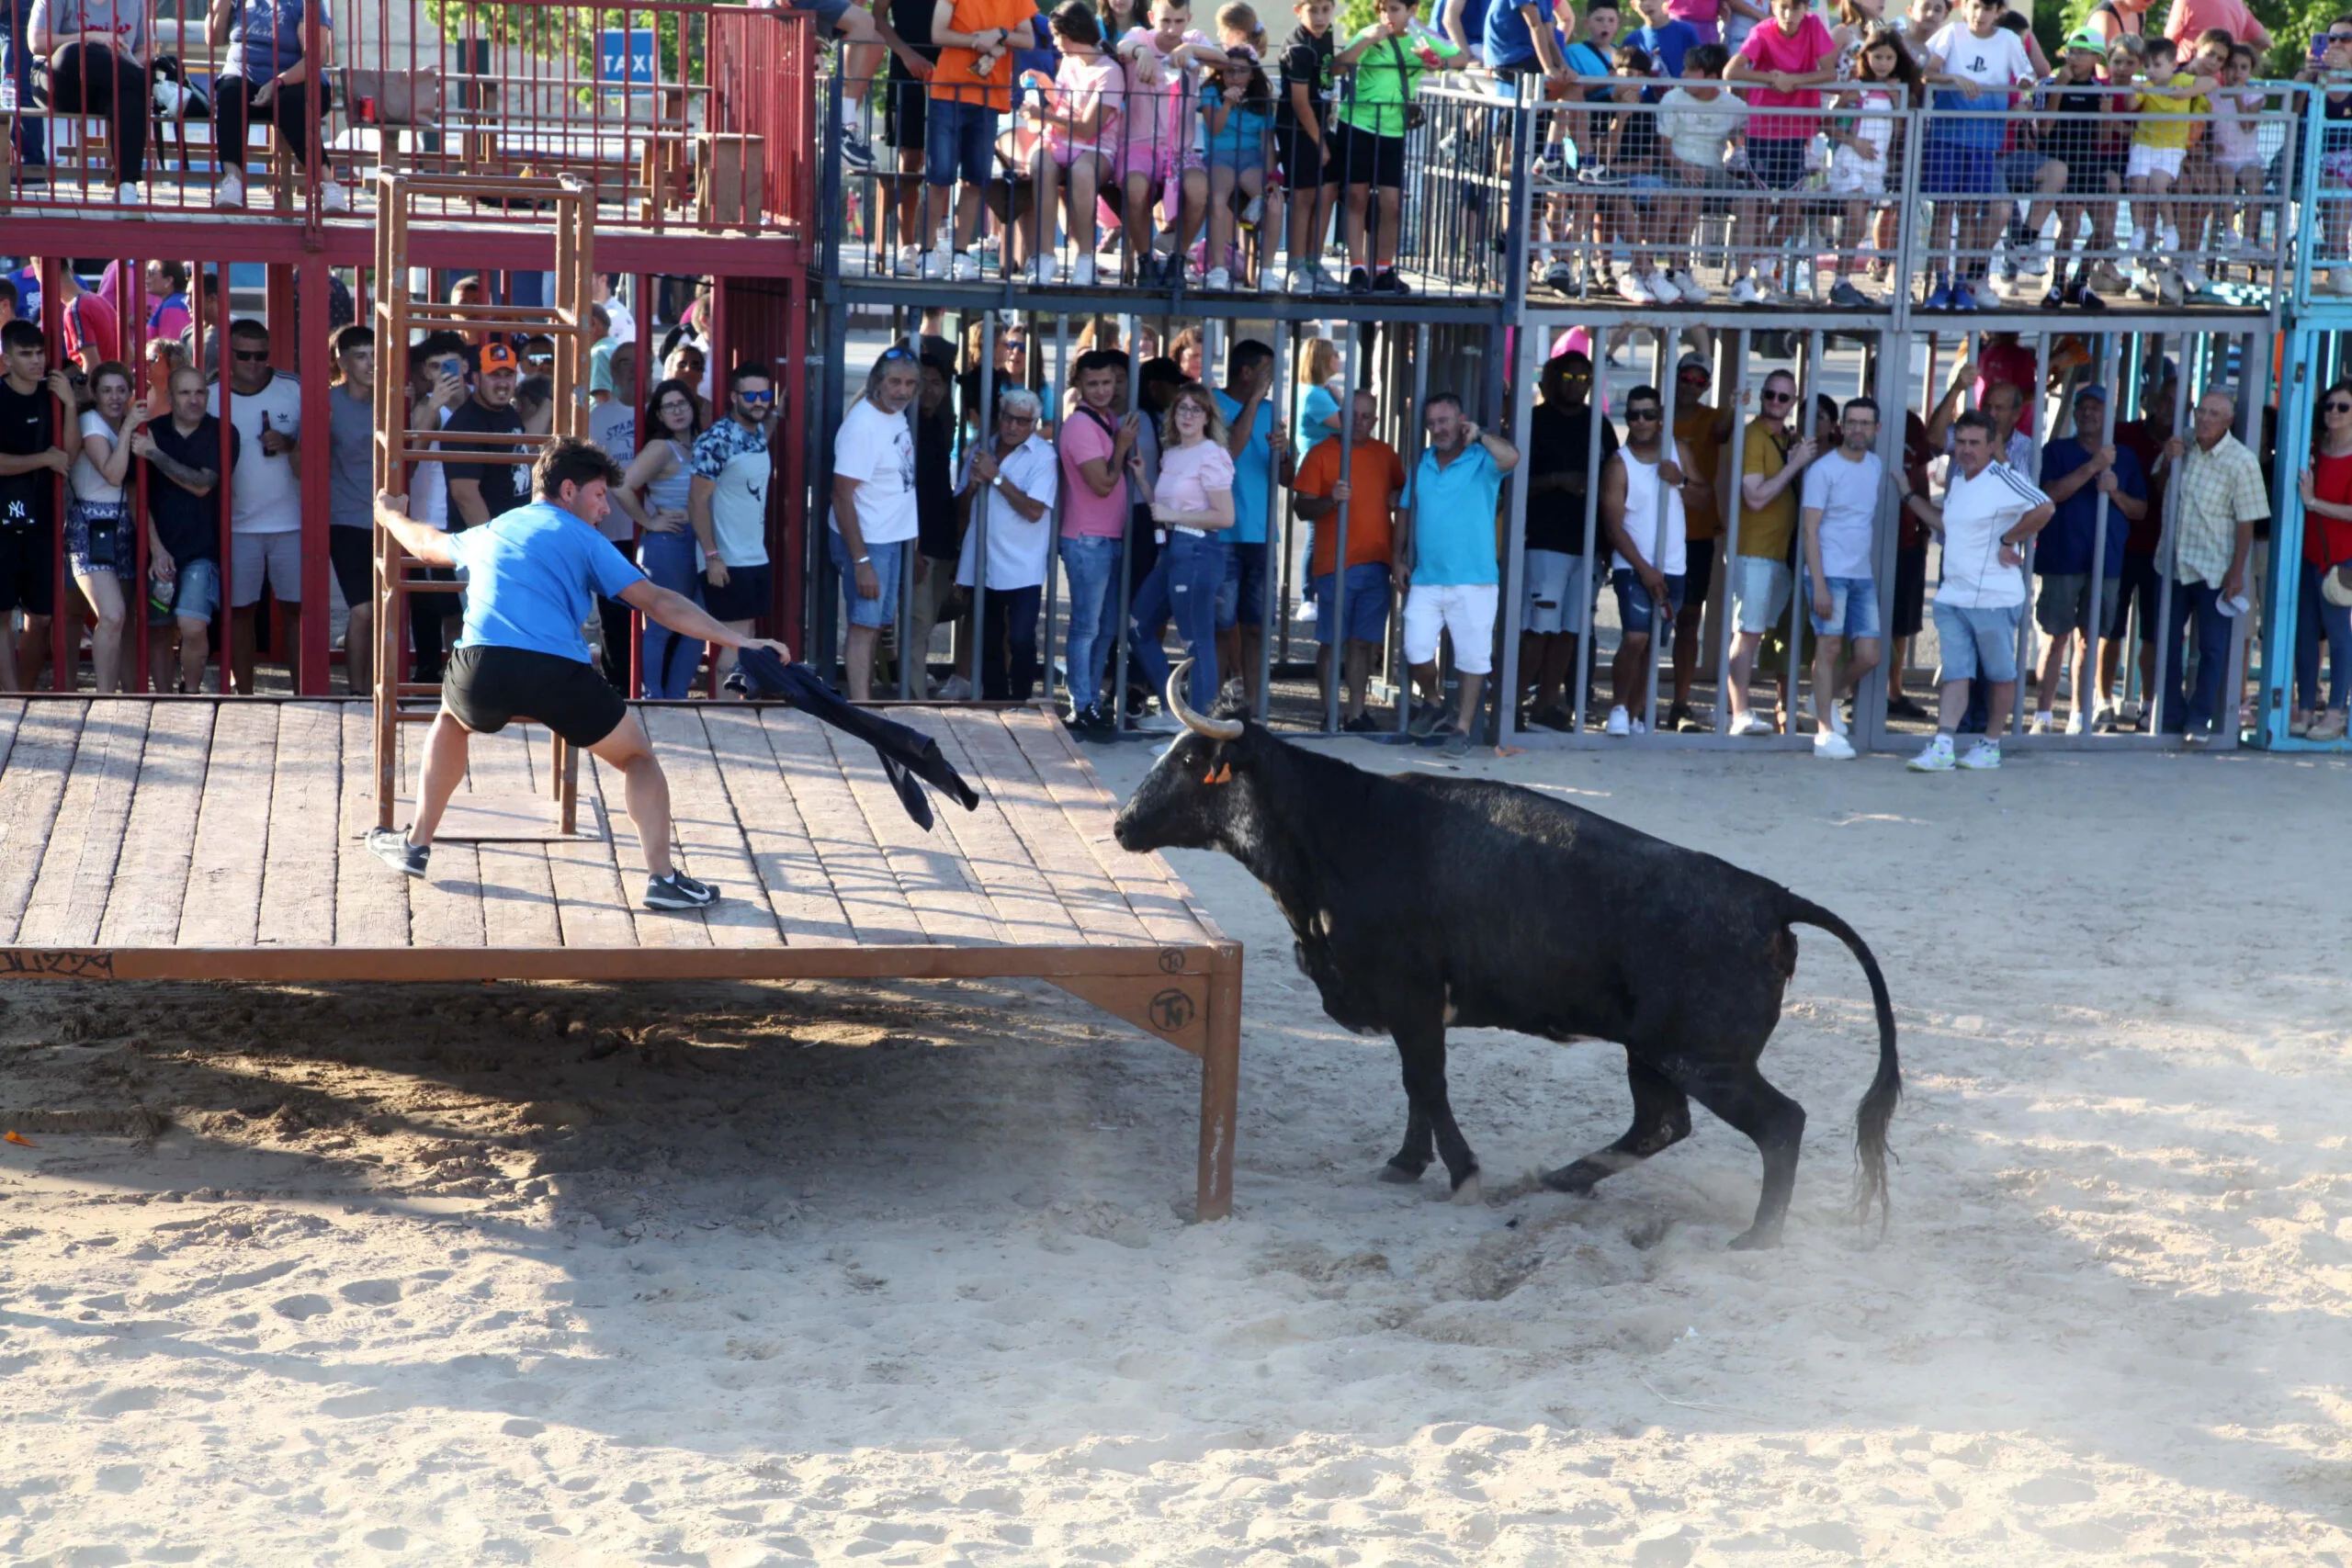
(1449, 522)
(1254, 437)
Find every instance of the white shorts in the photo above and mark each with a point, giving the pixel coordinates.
(1466, 610)
(2146, 161)
(280, 555)
(1558, 594)
(1849, 175)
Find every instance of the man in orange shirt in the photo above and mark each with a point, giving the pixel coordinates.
(1375, 485)
(970, 86)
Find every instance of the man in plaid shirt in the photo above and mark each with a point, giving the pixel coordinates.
(2222, 498)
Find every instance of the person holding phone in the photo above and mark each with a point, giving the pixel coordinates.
(264, 405)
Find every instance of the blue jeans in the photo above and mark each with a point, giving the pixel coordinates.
(1092, 565)
(2200, 602)
(31, 145)
(958, 137)
(669, 660)
(2316, 619)
(1182, 587)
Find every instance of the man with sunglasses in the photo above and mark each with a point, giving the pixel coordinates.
(1759, 577)
(264, 498)
(1642, 489)
(728, 505)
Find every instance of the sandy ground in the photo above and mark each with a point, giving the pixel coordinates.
(731, 1276)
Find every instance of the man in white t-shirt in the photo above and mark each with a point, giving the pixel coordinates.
(265, 499)
(1989, 511)
(1840, 515)
(874, 506)
(727, 503)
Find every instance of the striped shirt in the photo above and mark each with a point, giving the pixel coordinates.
(2220, 489)
(1977, 512)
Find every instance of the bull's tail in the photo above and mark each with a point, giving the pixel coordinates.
(1877, 1109)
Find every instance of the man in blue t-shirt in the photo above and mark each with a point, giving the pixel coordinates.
(2078, 474)
(1519, 41)
(1457, 570)
(1261, 455)
(531, 577)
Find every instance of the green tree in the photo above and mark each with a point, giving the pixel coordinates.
(2292, 24)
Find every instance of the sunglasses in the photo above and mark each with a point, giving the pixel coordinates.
(766, 397)
(2338, 407)
(1779, 397)
(261, 359)
(895, 352)
(1643, 413)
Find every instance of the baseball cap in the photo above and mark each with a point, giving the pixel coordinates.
(1693, 361)
(498, 357)
(2093, 390)
(2088, 41)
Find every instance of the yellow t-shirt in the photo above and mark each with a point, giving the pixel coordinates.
(1765, 531)
(2167, 132)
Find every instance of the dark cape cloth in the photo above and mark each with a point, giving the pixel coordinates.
(908, 754)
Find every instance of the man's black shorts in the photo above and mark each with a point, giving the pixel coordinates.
(352, 551)
(745, 595)
(28, 571)
(904, 105)
(1302, 160)
(489, 688)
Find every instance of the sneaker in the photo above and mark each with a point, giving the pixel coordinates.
(1426, 717)
(1359, 280)
(939, 265)
(1832, 747)
(1042, 271)
(1302, 280)
(1752, 723)
(1362, 724)
(1560, 278)
(857, 151)
(2143, 282)
(678, 891)
(1634, 290)
(128, 195)
(2197, 734)
(1621, 723)
(1693, 291)
(2171, 289)
(1933, 758)
(2006, 270)
(1218, 281)
(1081, 273)
(2103, 721)
(1846, 294)
(1158, 724)
(1270, 280)
(2040, 725)
(1939, 296)
(966, 267)
(394, 849)
(1963, 297)
(1443, 735)
(1555, 717)
(2193, 278)
(2078, 723)
(231, 192)
(2329, 725)
(1387, 282)
(1745, 292)
(1641, 726)
(1982, 757)
(2082, 296)
(2034, 261)
(2172, 240)
(334, 199)
(2106, 279)
(910, 262)
(2055, 297)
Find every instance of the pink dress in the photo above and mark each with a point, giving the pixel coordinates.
(1078, 87)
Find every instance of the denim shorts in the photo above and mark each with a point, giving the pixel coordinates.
(958, 139)
(1759, 591)
(1634, 609)
(883, 608)
(1853, 609)
(1242, 600)
(1367, 607)
(1948, 169)
(1558, 598)
(1977, 642)
(195, 594)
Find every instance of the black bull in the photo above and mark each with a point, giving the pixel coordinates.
(1421, 903)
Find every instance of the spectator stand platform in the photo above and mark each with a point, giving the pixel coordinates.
(201, 838)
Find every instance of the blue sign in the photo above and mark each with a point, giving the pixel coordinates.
(625, 55)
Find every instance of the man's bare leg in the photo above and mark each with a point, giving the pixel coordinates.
(862, 640)
(445, 768)
(646, 789)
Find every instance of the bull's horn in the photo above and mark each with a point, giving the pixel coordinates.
(1214, 729)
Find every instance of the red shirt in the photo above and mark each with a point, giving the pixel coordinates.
(93, 335)
(2328, 541)
(2141, 439)
(2013, 362)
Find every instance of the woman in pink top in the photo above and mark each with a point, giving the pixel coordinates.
(1081, 116)
(1193, 504)
(1784, 63)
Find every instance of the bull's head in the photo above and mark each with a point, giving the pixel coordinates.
(1189, 799)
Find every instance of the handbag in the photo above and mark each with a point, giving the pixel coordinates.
(1414, 118)
(101, 522)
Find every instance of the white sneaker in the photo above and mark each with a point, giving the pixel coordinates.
(1745, 292)
(1641, 726)
(2078, 723)
(2193, 278)
(1833, 747)
(2172, 239)
(1081, 273)
(1693, 291)
(2034, 261)
(2040, 725)
(1218, 281)
(1042, 272)
(231, 192)
(959, 689)
(966, 267)
(1634, 291)
(129, 194)
(1302, 280)
(333, 199)
(1621, 723)
(939, 265)
(909, 261)
(1751, 723)
(1269, 278)
(1983, 756)
(1156, 723)
(2171, 288)
(2143, 282)
(1933, 758)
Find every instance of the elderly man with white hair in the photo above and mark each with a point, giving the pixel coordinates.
(1006, 494)
(2222, 498)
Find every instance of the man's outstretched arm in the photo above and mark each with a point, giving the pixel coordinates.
(685, 617)
(422, 541)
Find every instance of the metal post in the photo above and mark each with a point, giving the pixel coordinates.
(983, 433)
(2251, 379)
(1339, 546)
(2024, 637)
(1730, 617)
(1277, 402)
(1800, 600)
(1056, 387)
(2100, 509)
(1127, 538)
(1888, 369)
(1593, 545)
(1409, 428)
(1661, 616)
(1522, 413)
(2168, 547)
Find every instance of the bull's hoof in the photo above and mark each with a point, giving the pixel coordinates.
(1756, 1238)
(1578, 1180)
(1468, 1194)
(1401, 1175)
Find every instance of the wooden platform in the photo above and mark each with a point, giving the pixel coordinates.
(208, 838)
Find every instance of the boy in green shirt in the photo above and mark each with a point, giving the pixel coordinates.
(1387, 60)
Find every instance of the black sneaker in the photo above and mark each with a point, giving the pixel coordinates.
(1362, 724)
(1389, 283)
(2081, 294)
(678, 891)
(857, 151)
(1442, 734)
(2054, 298)
(1427, 716)
(1359, 280)
(391, 847)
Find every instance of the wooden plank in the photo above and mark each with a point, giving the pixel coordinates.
(1158, 900)
(655, 928)
(445, 905)
(945, 897)
(223, 904)
(151, 878)
(705, 819)
(12, 712)
(994, 853)
(592, 908)
(783, 854)
(517, 890)
(1076, 876)
(371, 898)
(298, 860)
(39, 763)
(861, 876)
(69, 900)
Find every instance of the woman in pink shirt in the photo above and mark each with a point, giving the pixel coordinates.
(1082, 118)
(1783, 62)
(1193, 506)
